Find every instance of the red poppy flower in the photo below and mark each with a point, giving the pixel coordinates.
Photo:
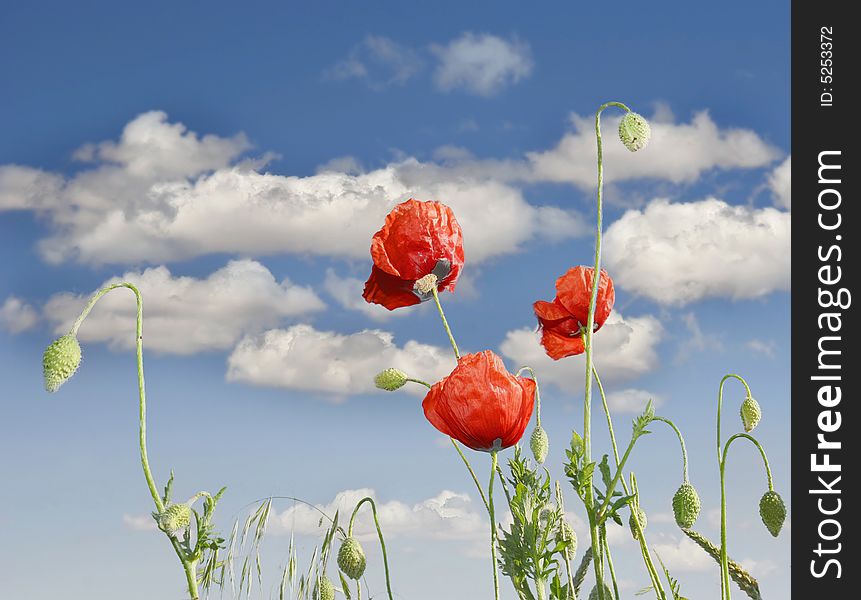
(560, 321)
(480, 403)
(418, 239)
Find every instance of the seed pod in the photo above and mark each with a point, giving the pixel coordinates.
(634, 131)
(751, 413)
(176, 517)
(686, 506)
(539, 443)
(323, 589)
(608, 593)
(351, 558)
(641, 517)
(60, 361)
(566, 533)
(390, 379)
(772, 510)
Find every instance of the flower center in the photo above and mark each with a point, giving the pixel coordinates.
(426, 284)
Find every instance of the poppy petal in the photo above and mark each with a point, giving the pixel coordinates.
(388, 290)
(560, 346)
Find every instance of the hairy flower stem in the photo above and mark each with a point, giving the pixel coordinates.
(721, 456)
(370, 501)
(493, 464)
(682, 442)
(560, 503)
(445, 323)
(644, 547)
(189, 566)
(603, 534)
(724, 559)
(590, 326)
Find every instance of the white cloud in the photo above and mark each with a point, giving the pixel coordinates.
(677, 152)
(780, 182)
(631, 400)
(759, 567)
(764, 348)
(139, 522)
(625, 348)
(303, 358)
(184, 315)
(347, 291)
(446, 516)
(680, 253)
(682, 554)
(481, 64)
(162, 194)
(17, 316)
(379, 62)
(697, 341)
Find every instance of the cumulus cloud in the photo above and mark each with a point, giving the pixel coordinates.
(780, 183)
(378, 61)
(683, 252)
(17, 316)
(625, 348)
(682, 554)
(631, 400)
(347, 291)
(162, 193)
(677, 152)
(185, 315)
(481, 64)
(303, 358)
(139, 522)
(446, 516)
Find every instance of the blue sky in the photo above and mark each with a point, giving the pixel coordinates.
(235, 161)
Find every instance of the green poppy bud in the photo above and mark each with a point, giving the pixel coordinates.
(539, 443)
(176, 517)
(634, 131)
(60, 361)
(686, 506)
(566, 533)
(608, 593)
(751, 413)
(773, 511)
(323, 589)
(390, 379)
(641, 517)
(351, 558)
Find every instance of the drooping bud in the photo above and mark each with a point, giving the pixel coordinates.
(60, 361)
(641, 517)
(566, 534)
(176, 517)
(390, 379)
(539, 443)
(351, 558)
(686, 506)
(773, 511)
(751, 413)
(608, 593)
(634, 131)
(323, 589)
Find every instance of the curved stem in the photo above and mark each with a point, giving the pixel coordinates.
(471, 472)
(420, 382)
(724, 558)
(644, 547)
(370, 501)
(609, 424)
(682, 442)
(492, 513)
(537, 394)
(720, 404)
(445, 322)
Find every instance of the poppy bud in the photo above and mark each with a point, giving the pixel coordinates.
(176, 517)
(60, 361)
(323, 589)
(351, 558)
(566, 533)
(751, 413)
(539, 443)
(634, 131)
(641, 517)
(390, 379)
(686, 506)
(773, 511)
(608, 593)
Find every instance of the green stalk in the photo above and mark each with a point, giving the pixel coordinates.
(445, 322)
(370, 501)
(590, 326)
(493, 465)
(603, 533)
